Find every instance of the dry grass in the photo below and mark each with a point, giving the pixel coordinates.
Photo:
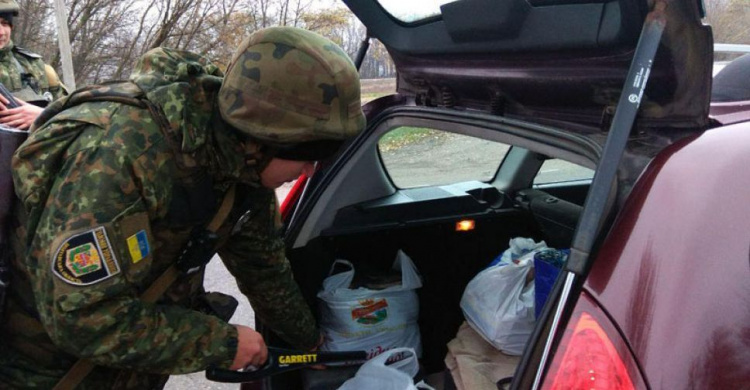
(375, 88)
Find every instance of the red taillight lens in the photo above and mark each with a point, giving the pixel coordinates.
(592, 355)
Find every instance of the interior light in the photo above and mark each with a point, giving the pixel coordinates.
(465, 225)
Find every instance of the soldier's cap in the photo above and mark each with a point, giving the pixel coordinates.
(8, 9)
(293, 90)
(8, 17)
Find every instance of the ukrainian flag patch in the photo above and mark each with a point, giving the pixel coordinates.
(138, 246)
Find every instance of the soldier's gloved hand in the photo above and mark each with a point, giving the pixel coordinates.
(20, 117)
(251, 349)
(321, 339)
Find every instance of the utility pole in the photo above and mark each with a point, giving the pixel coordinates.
(63, 39)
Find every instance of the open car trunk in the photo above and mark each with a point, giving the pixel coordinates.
(353, 211)
(603, 85)
(446, 259)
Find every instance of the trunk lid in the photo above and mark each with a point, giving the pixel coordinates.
(546, 59)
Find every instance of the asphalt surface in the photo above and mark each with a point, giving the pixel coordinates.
(453, 158)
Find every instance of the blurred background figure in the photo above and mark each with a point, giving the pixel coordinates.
(23, 73)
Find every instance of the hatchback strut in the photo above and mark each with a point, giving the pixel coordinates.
(362, 51)
(588, 228)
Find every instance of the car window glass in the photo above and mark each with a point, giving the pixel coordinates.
(412, 11)
(557, 171)
(417, 157)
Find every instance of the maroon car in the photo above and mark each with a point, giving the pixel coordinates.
(586, 124)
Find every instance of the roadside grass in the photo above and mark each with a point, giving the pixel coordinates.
(375, 88)
(402, 136)
(366, 97)
(395, 139)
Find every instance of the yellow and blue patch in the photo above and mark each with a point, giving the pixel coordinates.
(138, 246)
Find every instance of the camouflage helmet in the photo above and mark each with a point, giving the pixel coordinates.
(294, 90)
(8, 7)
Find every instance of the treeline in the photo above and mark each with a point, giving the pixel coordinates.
(107, 36)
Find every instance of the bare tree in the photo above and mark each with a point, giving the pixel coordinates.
(34, 27)
(108, 36)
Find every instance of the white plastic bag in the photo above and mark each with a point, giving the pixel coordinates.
(499, 304)
(371, 320)
(520, 246)
(375, 374)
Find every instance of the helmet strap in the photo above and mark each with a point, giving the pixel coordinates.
(257, 155)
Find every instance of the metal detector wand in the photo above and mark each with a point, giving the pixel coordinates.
(284, 360)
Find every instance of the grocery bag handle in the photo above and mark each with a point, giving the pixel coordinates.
(340, 262)
(284, 360)
(407, 365)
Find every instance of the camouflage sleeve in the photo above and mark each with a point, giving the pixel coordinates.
(91, 255)
(256, 258)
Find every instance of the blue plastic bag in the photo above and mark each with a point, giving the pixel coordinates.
(547, 265)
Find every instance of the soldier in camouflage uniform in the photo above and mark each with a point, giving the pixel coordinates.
(24, 74)
(111, 192)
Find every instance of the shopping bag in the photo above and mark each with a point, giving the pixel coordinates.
(391, 370)
(499, 304)
(369, 319)
(517, 247)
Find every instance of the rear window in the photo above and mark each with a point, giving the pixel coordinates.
(418, 157)
(413, 11)
(560, 171)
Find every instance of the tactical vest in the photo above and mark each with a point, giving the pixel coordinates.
(28, 78)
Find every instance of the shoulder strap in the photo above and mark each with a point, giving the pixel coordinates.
(83, 367)
(124, 92)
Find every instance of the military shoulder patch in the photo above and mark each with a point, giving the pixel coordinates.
(138, 246)
(85, 258)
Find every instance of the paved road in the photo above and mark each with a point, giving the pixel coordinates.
(451, 158)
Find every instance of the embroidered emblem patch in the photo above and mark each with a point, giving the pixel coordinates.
(85, 258)
(138, 246)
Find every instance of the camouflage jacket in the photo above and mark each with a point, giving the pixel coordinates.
(109, 199)
(42, 83)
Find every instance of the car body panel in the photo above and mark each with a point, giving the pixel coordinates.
(674, 272)
(728, 113)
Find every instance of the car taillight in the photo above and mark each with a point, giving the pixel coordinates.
(592, 355)
(292, 197)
